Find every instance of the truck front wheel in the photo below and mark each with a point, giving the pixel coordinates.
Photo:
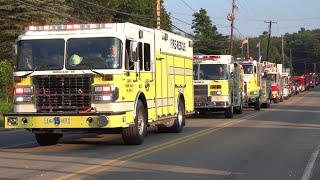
(46, 139)
(228, 113)
(134, 135)
(257, 105)
(239, 109)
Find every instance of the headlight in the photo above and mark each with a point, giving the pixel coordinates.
(23, 94)
(106, 93)
(22, 99)
(253, 92)
(216, 93)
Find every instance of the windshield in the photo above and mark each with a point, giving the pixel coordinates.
(248, 69)
(297, 82)
(43, 54)
(210, 71)
(95, 53)
(271, 77)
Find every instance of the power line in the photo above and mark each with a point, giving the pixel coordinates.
(239, 32)
(198, 39)
(215, 50)
(95, 13)
(188, 5)
(181, 21)
(182, 14)
(52, 12)
(115, 11)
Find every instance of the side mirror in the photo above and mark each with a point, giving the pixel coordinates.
(134, 53)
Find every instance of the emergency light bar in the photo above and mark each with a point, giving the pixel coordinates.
(206, 57)
(69, 27)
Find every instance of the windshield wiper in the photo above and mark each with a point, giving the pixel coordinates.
(90, 68)
(38, 67)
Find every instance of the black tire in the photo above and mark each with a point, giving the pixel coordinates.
(257, 105)
(281, 99)
(268, 103)
(47, 139)
(134, 135)
(276, 100)
(228, 113)
(239, 110)
(180, 120)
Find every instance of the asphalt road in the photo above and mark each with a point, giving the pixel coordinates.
(279, 143)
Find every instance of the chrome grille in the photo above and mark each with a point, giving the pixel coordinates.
(201, 90)
(62, 93)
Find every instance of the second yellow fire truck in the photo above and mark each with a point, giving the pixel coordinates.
(218, 84)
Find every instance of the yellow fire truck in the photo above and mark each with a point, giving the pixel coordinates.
(252, 83)
(109, 78)
(218, 84)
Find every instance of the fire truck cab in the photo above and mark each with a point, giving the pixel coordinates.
(252, 83)
(286, 88)
(312, 79)
(218, 84)
(273, 74)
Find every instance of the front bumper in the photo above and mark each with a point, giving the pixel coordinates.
(67, 120)
(208, 105)
(250, 101)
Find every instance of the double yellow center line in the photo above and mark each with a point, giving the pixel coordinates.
(123, 159)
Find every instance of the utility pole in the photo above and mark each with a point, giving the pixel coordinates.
(259, 48)
(231, 18)
(158, 13)
(282, 51)
(270, 24)
(291, 67)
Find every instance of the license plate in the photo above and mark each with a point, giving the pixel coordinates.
(56, 120)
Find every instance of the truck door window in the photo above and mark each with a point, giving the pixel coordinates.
(147, 56)
(129, 63)
(140, 56)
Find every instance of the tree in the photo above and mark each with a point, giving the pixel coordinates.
(6, 70)
(141, 12)
(15, 15)
(207, 38)
(305, 47)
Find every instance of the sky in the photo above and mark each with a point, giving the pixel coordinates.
(288, 15)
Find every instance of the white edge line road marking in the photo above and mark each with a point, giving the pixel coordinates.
(308, 170)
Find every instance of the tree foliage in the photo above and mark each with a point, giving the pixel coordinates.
(6, 81)
(207, 38)
(15, 15)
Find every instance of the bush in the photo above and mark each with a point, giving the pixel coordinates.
(4, 108)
